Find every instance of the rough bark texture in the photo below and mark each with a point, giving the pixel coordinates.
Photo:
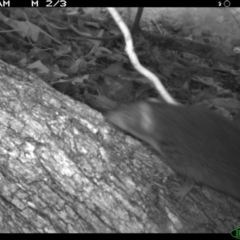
(63, 169)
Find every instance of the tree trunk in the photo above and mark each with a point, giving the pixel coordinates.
(64, 169)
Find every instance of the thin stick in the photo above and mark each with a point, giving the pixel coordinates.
(134, 60)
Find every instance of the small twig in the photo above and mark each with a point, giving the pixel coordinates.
(134, 60)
